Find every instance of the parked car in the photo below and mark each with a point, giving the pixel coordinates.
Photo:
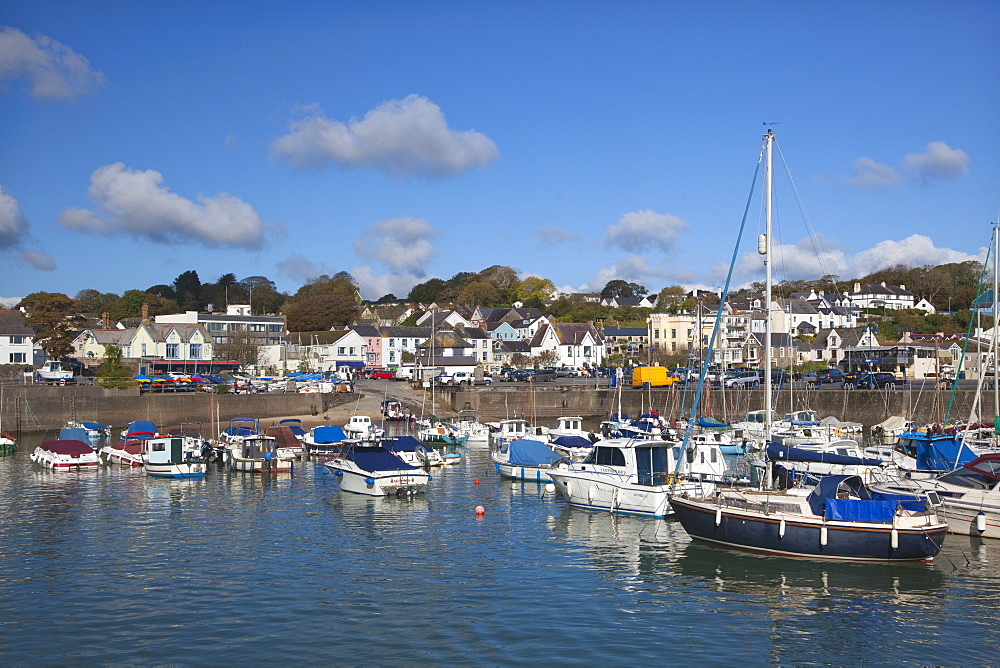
(824, 376)
(382, 375)
(521, 374)
(777, 376)
(742, 378)
(875, 380)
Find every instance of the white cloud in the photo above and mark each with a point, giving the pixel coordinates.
(915, 250)
(402, 244)
(633, 269)
(645, 230)
(134, 202)
(14, 233)
(809, 260)
(302, 269)
(10, 302)
(871, 175)
(372, 286)
(938, 162)
(408, 136)
(13, 225)
(37, 259)
(53, 70)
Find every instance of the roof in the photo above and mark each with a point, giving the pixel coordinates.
(12, 324)
(625, 331)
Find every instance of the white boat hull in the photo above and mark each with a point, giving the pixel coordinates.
(58, 462)
(382, 483)
(185, 470)
(529, 473)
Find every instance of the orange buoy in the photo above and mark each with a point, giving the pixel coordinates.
(480, 511)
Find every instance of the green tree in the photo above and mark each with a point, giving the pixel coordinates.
(243, 346)
(187, 289)
(262, 294)
(51, 315)
(426, 292)
(479, 293)
(321, 312)
(113, 372)
(536, 287)
(92, 301)
(620, 288)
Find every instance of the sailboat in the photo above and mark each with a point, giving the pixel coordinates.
(841, 518)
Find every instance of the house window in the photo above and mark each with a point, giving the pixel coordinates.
(404, 343)
(586, 351)
(143, 346)
(16, 340)
(173, 351)
(673, 334)
(195, 351)
(656, 333)
(274, 328)
(18, 358)
(341, 350)
(352, 351)
(392, 357)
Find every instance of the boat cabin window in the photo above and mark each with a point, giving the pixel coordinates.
(607, 456)
(715, 456)
(158, 446)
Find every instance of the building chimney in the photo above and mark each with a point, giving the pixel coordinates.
(145, 312)
(106, 319)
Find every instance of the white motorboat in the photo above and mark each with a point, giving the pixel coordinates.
(636, 476)
(65, 455)
(361, 428)
(167, 457)
(257, 454)
(375, 471)
(412, 451)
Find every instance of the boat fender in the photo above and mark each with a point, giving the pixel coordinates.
(62, 382)
(981, 522)
(369, 481)
(822, 535)
(781, 529)
(339, 474)
(894, 539)
(718, 516)
(429, 478)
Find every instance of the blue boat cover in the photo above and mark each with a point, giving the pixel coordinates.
(140, 425)
(526, 452)
(785, 453)
(573, 442)
(74, 434)
(856, 510)
(868, 507)
(95, 426)
(376, 458)
(328, 435)
(711, 423)
(940, 453)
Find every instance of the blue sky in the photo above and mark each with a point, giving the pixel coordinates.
(400, 141)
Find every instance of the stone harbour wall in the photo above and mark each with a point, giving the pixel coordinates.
(35, 409)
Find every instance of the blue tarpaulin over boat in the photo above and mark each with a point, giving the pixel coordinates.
(328, 435)
(784, 453)
(710, 423)
(140, 425)
(868, 507)
(526, 452)
(95, 426)
(573, 442)
(939, 452)
(375, 459)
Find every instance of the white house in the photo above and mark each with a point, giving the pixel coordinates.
(16, 338)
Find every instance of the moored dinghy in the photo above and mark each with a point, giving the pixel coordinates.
(375, 471)
(525, 459)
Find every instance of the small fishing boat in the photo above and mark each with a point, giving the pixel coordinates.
(68, 455)
(257, 454)
(287, 446)
(394, 411)
(375, 471)
(360, 428)
(166, 457)
(525, 459)
(441, 433)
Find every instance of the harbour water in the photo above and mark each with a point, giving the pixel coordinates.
(113, 567)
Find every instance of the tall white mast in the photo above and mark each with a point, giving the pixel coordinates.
(764, 248)
(993, 339)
